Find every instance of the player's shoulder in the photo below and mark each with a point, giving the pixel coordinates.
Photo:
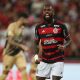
(11, 25)
(61, 23)
(40, 25)
(11, 29)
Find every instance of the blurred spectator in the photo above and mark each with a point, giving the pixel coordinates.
(37, 7)
(73, 12)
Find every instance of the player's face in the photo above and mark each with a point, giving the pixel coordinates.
(48, 12)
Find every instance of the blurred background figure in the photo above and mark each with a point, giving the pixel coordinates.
(67, 11)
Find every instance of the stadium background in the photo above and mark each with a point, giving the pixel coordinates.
(67, 11)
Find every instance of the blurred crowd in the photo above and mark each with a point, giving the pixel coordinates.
(67, 11)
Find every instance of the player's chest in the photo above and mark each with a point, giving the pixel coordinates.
(18, 32)
(50, 29)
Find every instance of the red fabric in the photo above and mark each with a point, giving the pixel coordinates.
(4, 2)
(1, 50)
(4, 19)
(20, 8)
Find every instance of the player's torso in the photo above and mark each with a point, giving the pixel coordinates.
(18, 34)
(11, 49)
(51, 35)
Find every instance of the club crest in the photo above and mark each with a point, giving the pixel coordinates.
(55, 30)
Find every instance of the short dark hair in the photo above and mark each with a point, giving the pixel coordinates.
(24, 15)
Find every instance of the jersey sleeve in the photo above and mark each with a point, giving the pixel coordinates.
(65, 32)
(36, 41)
(37, 37)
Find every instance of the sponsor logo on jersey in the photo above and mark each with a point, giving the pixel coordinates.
(43, 31)
(51, 41)
(56, 25)
(43, 26)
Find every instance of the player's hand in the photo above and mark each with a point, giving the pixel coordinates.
(60, 47)
(36, 58)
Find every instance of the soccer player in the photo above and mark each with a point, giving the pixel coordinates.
(54, 38)
(14, 48)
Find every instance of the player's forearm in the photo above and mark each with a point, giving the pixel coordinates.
(67, 43)
(36, 48)
(36, 51)
(14, 43)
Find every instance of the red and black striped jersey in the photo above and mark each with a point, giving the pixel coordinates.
(51, 35)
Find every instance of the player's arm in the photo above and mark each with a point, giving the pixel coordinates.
(11, 36)
(12, 42)
(36, 45)
(67, 39)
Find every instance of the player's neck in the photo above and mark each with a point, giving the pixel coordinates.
(49, 21)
